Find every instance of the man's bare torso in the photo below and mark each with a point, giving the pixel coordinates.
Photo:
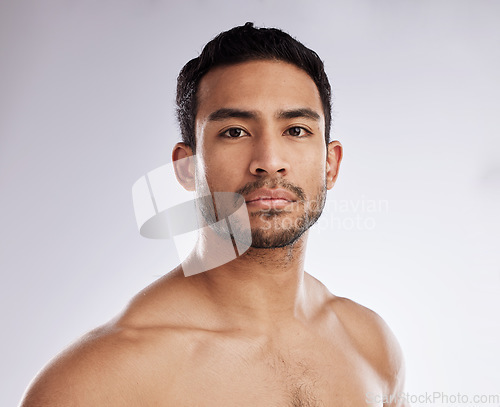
(173, 348)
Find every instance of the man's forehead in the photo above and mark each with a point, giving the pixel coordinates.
(272, 85)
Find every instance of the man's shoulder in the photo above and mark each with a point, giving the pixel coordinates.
(119, 362)
(373, 339)
(107, 366)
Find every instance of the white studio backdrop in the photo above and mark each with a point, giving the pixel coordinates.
(411, 229)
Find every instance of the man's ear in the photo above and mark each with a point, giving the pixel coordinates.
(333, 160)
(183, 161)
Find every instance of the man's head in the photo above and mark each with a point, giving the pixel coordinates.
(240, 44)
(260, 123)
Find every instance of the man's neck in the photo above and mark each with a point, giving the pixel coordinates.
(261, 286)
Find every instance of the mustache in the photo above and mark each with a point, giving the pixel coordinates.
(272, 183)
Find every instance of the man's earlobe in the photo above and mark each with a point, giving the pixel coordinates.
(333, 159)
(184, 166)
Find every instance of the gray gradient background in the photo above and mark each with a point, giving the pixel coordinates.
(86, 108)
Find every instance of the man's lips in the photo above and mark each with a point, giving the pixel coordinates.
(268, 194)
(270, 197)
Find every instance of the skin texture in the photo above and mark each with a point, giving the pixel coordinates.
(259, 330)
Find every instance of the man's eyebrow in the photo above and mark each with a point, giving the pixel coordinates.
(230, 113)
(227, 113)
(304, 112)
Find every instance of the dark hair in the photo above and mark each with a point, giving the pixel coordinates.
(240, 44)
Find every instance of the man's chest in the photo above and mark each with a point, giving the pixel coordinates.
(243, 374)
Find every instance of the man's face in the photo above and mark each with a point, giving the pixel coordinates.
(260, 133)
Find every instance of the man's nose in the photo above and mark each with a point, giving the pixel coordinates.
(269, 155)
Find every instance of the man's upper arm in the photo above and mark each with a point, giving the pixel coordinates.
(377, 344)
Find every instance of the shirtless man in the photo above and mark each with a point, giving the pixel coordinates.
(257, 331)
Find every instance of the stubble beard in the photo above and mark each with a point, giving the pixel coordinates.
(280, 228)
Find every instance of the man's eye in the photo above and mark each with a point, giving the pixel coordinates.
(234, 132)
(297, 132)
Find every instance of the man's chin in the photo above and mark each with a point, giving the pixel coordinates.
(274, 240)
